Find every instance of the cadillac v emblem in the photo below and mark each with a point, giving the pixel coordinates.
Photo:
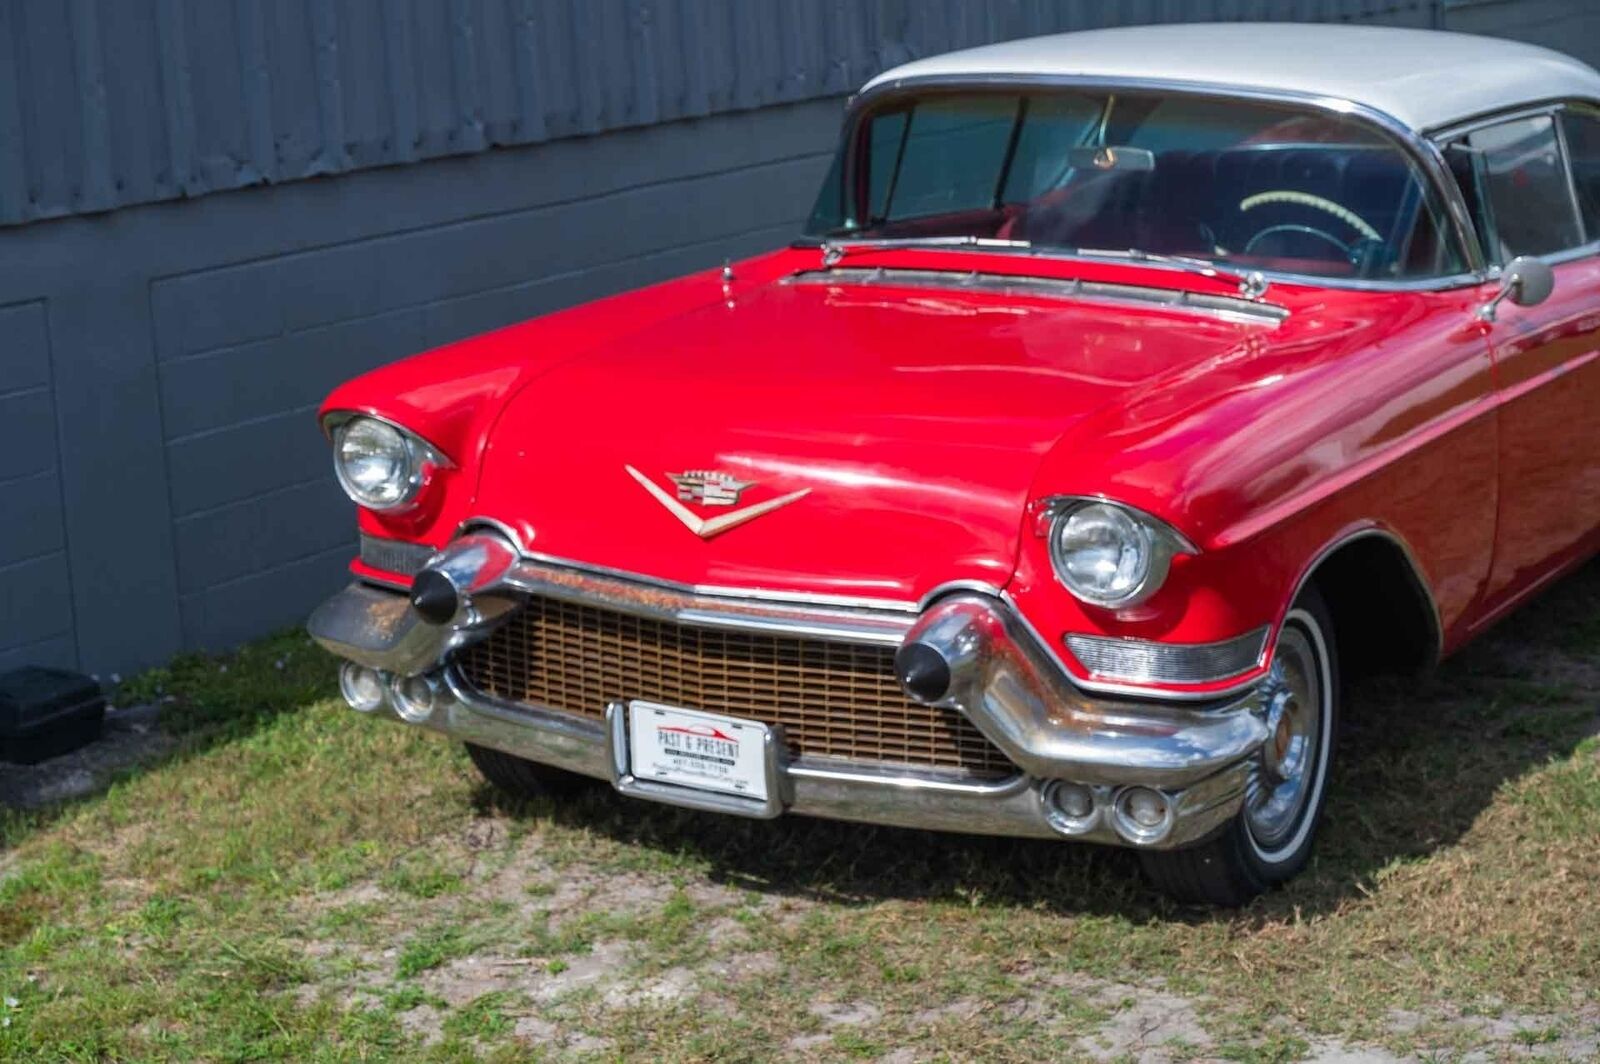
(710, 488)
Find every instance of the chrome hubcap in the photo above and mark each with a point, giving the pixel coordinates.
(1281, 784)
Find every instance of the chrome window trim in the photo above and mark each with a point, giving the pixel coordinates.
(1572, 181)
(1446, 135)
(1573, 255)
(1421, 148)
(1456, 130)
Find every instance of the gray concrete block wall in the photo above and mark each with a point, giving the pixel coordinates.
(35, 624)
(196, 506)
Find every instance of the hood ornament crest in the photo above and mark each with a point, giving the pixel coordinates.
(710, 488)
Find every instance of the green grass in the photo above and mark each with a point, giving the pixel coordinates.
(299, 882)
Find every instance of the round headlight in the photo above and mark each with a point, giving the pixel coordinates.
(379, 466)
(1108, 555)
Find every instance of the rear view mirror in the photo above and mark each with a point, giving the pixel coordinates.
(1527, 282)
(1111, 157)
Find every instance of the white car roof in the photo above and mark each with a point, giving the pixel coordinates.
(1423, 78)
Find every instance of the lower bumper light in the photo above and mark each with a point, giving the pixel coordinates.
(1141, 815)
(362, 687)
(415, 698)
(1070, 808)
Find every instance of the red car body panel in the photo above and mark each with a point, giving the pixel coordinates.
(925, 422)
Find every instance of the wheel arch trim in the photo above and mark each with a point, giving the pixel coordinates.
(1350, 535)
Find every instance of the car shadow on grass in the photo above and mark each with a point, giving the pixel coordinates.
(1419, 759)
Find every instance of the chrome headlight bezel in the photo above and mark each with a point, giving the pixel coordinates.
(419, 460)
(1156, 541)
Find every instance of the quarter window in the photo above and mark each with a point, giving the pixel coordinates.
(1515, 178)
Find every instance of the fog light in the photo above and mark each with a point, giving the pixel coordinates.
(414, 698)
(362, 687)
(1069, 807)
(1142, 816)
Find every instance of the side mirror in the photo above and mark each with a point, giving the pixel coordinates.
(1527, 282)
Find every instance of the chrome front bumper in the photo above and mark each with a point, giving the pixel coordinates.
(1199, 758)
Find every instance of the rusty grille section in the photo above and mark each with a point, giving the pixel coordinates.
(833, 699)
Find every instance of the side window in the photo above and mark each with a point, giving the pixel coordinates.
(888, 137)
(1052, 126)
(1582, 130)
(953, 150)
(1514, 176)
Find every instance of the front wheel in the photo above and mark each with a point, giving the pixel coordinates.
(1270, 840)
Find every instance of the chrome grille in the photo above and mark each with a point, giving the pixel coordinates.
(833, 699)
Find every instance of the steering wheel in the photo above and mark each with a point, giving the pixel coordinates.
(1306, 199)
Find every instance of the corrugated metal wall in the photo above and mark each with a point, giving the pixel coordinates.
(106, 103)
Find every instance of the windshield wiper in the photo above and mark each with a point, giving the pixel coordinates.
(833, 251)
(1252, 285)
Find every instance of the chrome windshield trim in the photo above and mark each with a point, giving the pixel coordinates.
(1422, 149)
(1229, 308)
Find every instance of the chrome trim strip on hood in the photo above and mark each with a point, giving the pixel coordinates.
(1229, 308)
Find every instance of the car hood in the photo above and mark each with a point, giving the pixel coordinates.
(912, 420)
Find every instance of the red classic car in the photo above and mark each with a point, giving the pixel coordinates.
(1126, 391)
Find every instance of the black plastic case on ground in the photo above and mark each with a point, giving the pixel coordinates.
(45, 713)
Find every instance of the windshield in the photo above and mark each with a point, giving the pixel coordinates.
(1241, 184)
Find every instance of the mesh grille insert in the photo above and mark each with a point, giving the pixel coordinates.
(833, 699)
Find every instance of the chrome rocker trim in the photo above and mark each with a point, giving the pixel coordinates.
(1198, 758)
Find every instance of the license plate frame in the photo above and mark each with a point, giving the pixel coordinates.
(703, 751)
(747, 782)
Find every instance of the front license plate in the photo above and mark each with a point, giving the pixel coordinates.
(700, 750)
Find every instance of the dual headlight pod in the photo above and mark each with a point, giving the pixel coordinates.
(380, 465)
(1108, 554)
